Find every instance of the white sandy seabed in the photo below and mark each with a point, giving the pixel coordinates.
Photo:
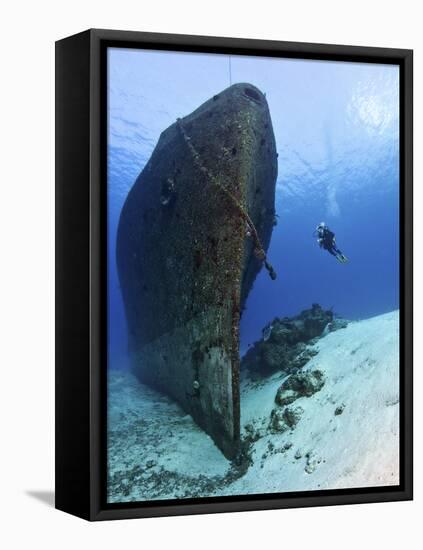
(156, 451)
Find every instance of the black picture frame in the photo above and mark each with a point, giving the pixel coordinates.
(81, 304)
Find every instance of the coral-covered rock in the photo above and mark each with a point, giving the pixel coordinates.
(285, 396)
(277, 421)
(286, 419)
(275, 356)
(286, 342)
(301, 384)
(292, 415)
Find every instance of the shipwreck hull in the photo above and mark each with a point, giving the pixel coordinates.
(186, 257)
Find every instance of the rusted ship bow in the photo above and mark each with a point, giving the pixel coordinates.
(193, 234)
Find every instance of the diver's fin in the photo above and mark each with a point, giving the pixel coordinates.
(343, 259)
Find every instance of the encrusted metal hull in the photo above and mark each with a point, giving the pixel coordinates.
(186, 256)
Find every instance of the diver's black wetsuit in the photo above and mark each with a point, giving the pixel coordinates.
(327, 241)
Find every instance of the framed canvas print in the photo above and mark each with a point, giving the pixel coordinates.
(234, 271)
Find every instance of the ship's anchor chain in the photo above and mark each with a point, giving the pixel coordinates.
(258, 247)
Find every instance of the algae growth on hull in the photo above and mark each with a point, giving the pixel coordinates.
(193, 234)
(342, 433)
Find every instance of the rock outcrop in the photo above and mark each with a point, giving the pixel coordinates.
(285, 344)
(300, 384)
(286, 419)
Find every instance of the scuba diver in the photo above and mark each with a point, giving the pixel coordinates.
(326, 240)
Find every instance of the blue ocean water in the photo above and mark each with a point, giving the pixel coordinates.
(337, 134)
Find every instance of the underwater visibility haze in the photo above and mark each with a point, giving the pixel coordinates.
(318, 339)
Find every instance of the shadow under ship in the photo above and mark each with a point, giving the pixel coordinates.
(193, 235)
